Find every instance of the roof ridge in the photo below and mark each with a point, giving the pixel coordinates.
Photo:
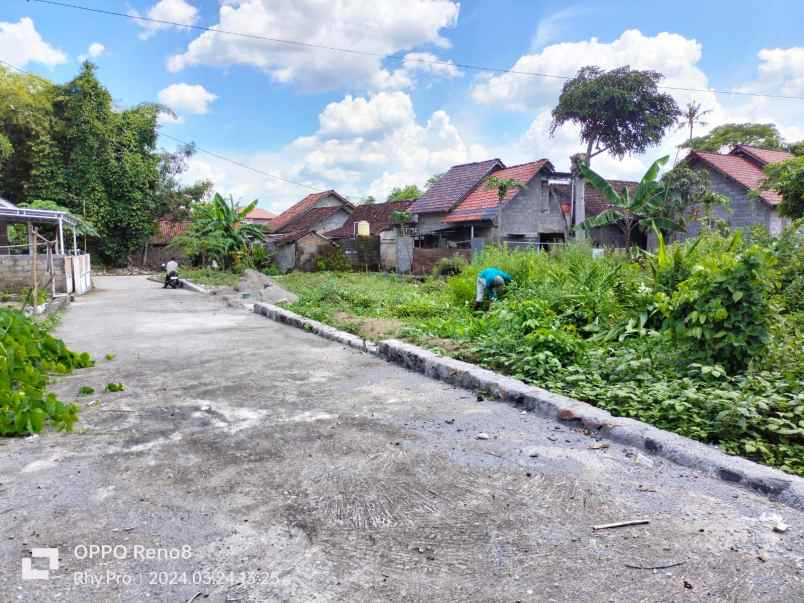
(542, 160)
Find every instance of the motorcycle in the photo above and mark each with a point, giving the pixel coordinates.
(172, 280)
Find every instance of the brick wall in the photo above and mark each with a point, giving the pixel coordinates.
(425, 259)
(15, 273)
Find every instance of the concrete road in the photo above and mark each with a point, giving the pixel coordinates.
(248, 461)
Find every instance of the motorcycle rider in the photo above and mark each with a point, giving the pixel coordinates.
(171, 268)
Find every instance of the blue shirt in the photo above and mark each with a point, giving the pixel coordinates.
(489, 274)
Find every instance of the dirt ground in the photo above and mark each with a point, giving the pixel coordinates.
(249, 461)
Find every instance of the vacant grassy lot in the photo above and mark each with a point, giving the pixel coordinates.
(704, 339)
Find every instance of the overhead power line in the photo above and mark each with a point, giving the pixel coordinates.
(381, 55)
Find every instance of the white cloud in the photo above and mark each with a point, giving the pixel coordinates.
(366, 117)
(552, 27)
(671, 54)
(187, 98)
(425, 63)
(96, 49)
(381, 26)
(21, 44)
(176, 11)
(783, 67)
(363, 146)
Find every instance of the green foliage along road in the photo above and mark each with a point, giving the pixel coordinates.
(28, 354)
(702, 338)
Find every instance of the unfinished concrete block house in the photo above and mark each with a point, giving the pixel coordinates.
(735, 174)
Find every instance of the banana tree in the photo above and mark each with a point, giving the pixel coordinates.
(221, 229)
(642, 209)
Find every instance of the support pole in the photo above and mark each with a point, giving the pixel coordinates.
(75, 243)
(61, 238)
(34, 262)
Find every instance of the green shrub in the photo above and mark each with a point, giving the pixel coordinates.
(722, 311)
(27, 355)
(333, 259)
(449, 266)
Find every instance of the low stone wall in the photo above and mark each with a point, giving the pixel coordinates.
(16, 273)
(425, 259)
(362, 253)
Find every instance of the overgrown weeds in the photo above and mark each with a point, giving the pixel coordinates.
(703, 338)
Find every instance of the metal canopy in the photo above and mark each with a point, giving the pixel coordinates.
(11, 213)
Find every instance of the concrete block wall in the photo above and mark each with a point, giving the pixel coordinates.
(16, 273)
(531, 211)
(745, 212)
(425, 259)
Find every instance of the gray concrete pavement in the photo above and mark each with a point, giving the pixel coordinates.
(249, 461)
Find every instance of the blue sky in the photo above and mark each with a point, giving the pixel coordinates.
(363, 124)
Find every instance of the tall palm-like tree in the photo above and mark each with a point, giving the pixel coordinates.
(692, 116)
(502, 186)
(643, 209)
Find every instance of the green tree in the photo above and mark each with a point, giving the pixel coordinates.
(692, 116)
(433, 179)
(687, 194)
(407, 193)
(796, 148)
(765, 136)
(219, 232)
(619, 111)
(643, 209)
(367, 200)
(787, 179)
(502, 186)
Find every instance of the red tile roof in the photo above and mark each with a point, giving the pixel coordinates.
(743, 171)
(378, 215)
(302, 206)
(762, 156)
(260, 214)
(312, 219)
(167, 230)
(596, 203)
(454, 186)
(481, 204)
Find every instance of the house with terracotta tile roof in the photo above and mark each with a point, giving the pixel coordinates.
(259, 216)
(528, 215)
(378, 215)
(298, 231)
(447, 192)
(284, 221)
(735, 174)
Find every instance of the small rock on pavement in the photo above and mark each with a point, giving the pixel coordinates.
(763, 556)
(780, 527)
(482, 436)
(532, 451)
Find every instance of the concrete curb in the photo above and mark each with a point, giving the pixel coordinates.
(774, 484)
(295, 320)
(193, 287)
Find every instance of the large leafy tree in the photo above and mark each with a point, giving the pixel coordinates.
(619, 111)
(765, 136)
(410, 192)
(643, 209)
(69, 144)
(787, 179)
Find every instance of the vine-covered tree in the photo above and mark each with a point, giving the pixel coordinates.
(70, 145)
(619, 111)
